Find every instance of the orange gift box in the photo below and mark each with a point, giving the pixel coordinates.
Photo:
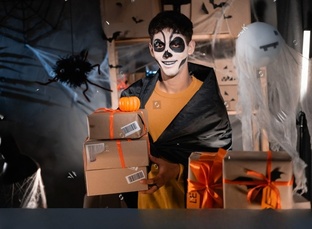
(257, 180)
(204, 188)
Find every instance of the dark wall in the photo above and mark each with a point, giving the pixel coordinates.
(48, 123)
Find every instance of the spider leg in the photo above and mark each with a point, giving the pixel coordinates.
(50, 81)
(84, 92)
(99, 86)
(98, 66)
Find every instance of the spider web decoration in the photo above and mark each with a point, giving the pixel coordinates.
(27, 21)
(28, 193)
(48, 61)
(72, 70)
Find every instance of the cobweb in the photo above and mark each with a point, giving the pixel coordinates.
(29, 20)
(28, 193)
(48, 61)
(270, 103)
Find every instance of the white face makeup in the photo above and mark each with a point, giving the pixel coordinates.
(170, 51)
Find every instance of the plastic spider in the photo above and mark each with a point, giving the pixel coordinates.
(73, 71)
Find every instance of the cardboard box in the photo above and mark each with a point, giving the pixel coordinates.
(205, 180)
(300, 202)
(115, 166)
(246, 179)
(209, 18)
(116, 124)
(128, 18)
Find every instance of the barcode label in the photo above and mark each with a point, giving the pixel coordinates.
(130, 128)
(93, 150)
(135, 177)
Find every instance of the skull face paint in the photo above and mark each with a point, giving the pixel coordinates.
(170, 51)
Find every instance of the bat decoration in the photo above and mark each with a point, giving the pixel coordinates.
(137, 20)
(227, 17)
(220, 5)
(227, 78)
(115, 66)
(114, 37)
(204, 8)
(275, 174)
(73, 71)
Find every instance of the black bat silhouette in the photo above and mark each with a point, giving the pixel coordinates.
(217, 5)
(137, 20)
(114, 37)
(204, 8)
(275, 174)
(114, 66)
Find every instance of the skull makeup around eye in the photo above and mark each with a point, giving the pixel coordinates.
(169, 50)
(159, 46)
(177, 44)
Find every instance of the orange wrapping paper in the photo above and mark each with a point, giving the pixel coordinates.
(205, 180)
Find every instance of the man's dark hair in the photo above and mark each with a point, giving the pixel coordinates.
(172, 20)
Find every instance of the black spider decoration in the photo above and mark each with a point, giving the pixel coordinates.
(73, 71)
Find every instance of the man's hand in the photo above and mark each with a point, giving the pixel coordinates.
(166, 171)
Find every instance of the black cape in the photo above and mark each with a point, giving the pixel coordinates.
(202, 125)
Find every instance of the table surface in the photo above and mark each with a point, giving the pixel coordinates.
(134, 218)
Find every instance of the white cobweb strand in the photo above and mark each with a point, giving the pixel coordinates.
(274, 113)
(34, 196)
(48, 60)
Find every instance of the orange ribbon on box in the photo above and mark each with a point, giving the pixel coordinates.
(208, 171)
(111, 119)
(271, 195)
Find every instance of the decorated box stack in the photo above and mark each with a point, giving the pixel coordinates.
(115, 153)
(257, 180)
(204, 189)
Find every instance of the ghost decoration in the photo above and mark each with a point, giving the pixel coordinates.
(258, 43)
(268, 93)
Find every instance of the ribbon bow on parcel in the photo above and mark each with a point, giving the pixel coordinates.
(208, 173)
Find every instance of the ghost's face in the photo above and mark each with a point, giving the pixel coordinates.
(170, 51)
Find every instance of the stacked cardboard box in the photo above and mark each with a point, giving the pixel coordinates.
(115, 153)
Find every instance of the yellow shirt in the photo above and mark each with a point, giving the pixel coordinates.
(163, 107)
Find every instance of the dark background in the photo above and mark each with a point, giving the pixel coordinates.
(48, 123)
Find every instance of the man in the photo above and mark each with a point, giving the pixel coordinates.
(186, 112)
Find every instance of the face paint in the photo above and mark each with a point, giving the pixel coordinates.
(170, 51)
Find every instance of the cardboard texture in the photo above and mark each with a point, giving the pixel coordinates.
(210, 17)
(115, 124)
(115, 166)
(245, 176)
(128, 19)
(301, 203)
(204, 188)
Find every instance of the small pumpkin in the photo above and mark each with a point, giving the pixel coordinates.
(130, 103)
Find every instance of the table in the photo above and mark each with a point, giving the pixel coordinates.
(134, 218)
